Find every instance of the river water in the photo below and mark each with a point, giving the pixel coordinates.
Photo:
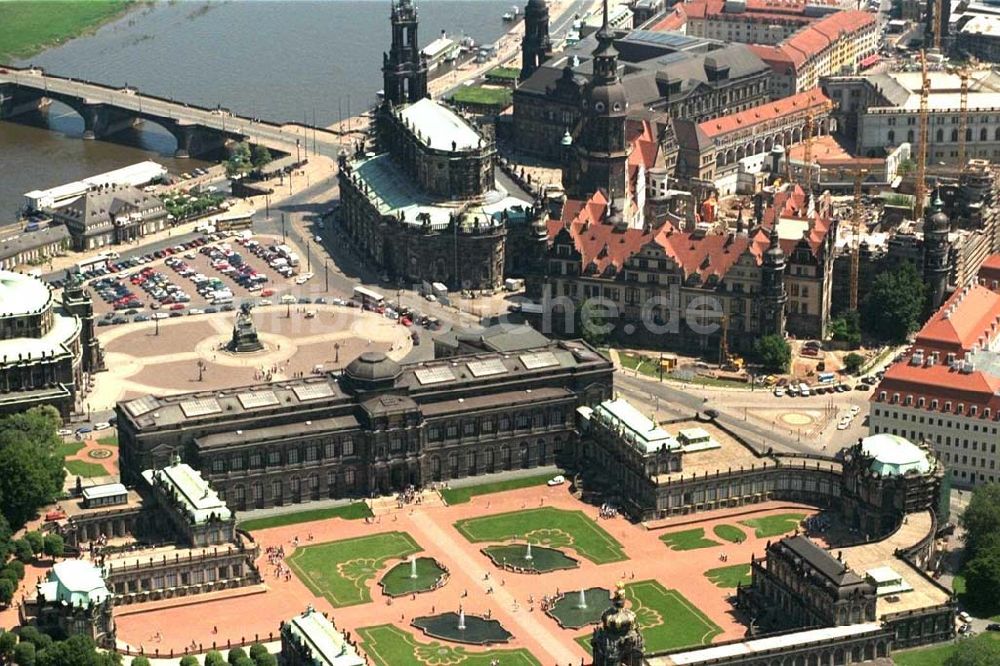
(280, 61)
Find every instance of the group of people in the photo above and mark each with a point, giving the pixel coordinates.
(411, 494)
(608, 511)
(276, 558)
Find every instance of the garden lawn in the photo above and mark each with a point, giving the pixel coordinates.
(730, 533)
(688, 540)
(391, 646)
(547, 526)
(731, 576)
(462, 495)
(482, 95)
(84, 468)
(111, 440)
(353, 511)
(934, 655)
(668, 621)
(772, 526)
(67, 449)
(27, 27)
(340, 570)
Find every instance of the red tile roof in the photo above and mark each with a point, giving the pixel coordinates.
(990, 271)
(812, 40)
(674, 20)
(847, 21)
(779, 58)
(905, 384)
(969, 318)
(809, 99)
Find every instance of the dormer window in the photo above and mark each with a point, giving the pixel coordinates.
(934, 404)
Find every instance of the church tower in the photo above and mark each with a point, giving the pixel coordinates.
(937, 250)
(602, 149)
(772, 287)
(536, 47)
(404, 68)
(617, 641)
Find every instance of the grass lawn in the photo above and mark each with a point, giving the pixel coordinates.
(391, 646)
(340, 570)
(958, 584)
(688, 540)
(353, 511)
(730, 533)
(67, 449)
(503, 74)
(772, 526)
(546, 526)
(934, 655)
(668, 621)
(111, 440)
(29, 26)
(730, 576)
(84, 468)
(482, 95)
(463, 495)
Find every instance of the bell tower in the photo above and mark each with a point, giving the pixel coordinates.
(536, 46)
(404, 68)
(772, 287)
(937, 251)
(602, 149)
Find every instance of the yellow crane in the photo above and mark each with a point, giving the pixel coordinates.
(807, 152)
(857, 220)
(937, 24)
(963, 118)
(920, 187)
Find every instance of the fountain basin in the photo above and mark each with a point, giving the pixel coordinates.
(478, 630)
(514, 557)
(568, 613)
(398, 581)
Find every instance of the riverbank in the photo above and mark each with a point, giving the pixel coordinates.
(31, 26)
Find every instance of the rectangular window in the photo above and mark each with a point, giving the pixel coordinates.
(293, 456)
(218, 465)
(274, 457)
(255, 459)
(348, 447)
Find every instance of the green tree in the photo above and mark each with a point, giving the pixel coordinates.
(266, 659)
(773, 352)
(33, 635)
(239, 161)
(37, 541)
(7, 642)
(33, 473)
(905, 167)
(23, 552)
(140, 661)
(979, 652)
(214, 658)
(236, 654)
(981, 519)
(594, 325)
(7, 589)
(259, 156)
(17, 567)
(54, 545)
(24, 654)
(256, 650)
(847, 329)
(243, 661)
(77, 650)
(188, 660)
(853, 362)
(9, 574)
(982, 580)
(893, 307)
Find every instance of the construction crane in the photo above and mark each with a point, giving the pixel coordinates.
(920, 187)
(807, 152)
(937, 25)
(963, 118)
(857, 220)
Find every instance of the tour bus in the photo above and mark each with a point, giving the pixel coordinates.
(368, 297)
(825, 377)
(97, 261)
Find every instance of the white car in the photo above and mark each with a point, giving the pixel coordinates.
(103, 425)
(288, 299)
(843, 425)
(160, 315)
(264, 301)
(779, 391)
(318, 239)
(302, 279)
(64, 432)
(557, 480)
(855, 410)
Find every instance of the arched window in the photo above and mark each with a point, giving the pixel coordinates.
(939, 135)
(892, 136)
(996, 134)
(909, 136)
(983, 135)
(954, 135)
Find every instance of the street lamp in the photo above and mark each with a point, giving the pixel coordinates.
(201, 369)
(282, 227)
(308, 259)
(326, 274)
(336, 352)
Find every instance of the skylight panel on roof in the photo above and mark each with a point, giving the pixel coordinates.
(434, 375)
(312, 392)
(200, 407)
(255, 399)
(538, 360)
(142, 405)
(486, 368)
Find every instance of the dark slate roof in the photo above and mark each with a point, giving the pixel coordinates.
(504, 337)
(29, 240)
(821, 560)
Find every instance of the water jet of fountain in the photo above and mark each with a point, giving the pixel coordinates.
(413, 567)
(527, 553)
(582, 603)
(461, 619)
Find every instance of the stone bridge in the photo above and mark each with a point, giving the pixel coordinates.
(106, 110)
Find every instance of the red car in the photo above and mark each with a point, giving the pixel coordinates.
(177, 306)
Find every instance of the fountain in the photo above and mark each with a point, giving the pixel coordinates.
(527, 554)
(582, 603)
(461, 619)
(413, 567)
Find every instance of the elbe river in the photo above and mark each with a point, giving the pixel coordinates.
(281, 61)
